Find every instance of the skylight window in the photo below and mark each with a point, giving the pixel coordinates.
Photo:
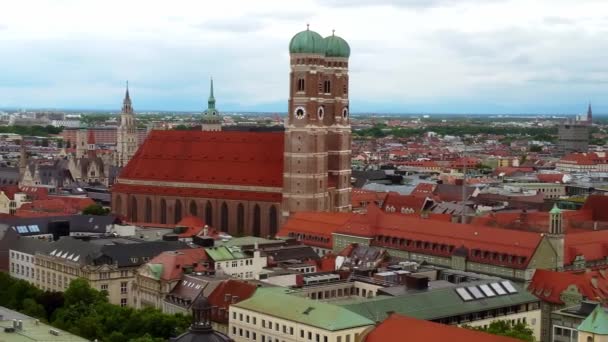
(487, 290)
(498, 289)
(508, 286)
(475, 292)
(464, 295)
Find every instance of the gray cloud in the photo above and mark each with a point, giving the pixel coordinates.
(415, 4)
(236, 25)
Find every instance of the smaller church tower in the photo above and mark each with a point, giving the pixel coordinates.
(211, 117)
(589, 115)
(81, 143)
(126, 135)
(91, 146)
(22, 159)
(556, 235)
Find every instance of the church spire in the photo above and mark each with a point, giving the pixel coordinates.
(22, 158)
(589, 113)
(126, 103)
(211, 101)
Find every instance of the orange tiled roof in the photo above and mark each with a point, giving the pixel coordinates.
(174, 261)
(549, 285)
(229, 157)
(399, 328)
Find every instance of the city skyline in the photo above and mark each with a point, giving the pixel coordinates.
(410, 56)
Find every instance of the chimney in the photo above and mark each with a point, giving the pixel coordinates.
(227, 297)
(235, 299)
(206, 230)
(20, 324)
(15, 326)
(594, 225)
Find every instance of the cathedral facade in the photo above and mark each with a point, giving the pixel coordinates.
(247, 182)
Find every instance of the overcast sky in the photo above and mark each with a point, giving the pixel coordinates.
(408, 56)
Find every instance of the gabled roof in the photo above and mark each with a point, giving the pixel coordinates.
(397, 326)
(399, 203)
(596, 323)
(227, 292)
(170, 265)
(276, 302)
(235, 158)
(548, 285)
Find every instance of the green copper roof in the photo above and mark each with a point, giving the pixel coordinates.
(225, 253)
(156, 270)
(274, 301)
(336, 47)
(555, 210)
(246, 241)
(307, 42)
(596, 322)
(435, 304)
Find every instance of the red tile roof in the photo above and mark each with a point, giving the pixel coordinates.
(597, 204)
(360, 196)
(222, 296)
(10, 191)
(229, 157)
(549, 285)
(434, 236)
(591, 158)
(550, 177)
(174, 261)
(401, 328)
(403, 202)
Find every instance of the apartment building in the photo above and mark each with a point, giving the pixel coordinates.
(236, 262)
(272, 314)
(109, 264)
(22, 255)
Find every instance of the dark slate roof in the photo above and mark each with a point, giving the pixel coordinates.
(9, 175)
(111, 251)
(279, 254)
(78, 223)
(362, 177)
(32, 246)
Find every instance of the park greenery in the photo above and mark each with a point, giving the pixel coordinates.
(96, 209)
(85, 312)
(533, 133)
(519, 331)
(39, 131)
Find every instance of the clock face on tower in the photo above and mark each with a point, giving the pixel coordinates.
(299, 113)
(213, 113)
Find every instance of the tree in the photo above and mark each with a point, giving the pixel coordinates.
(505, 328)
(31, 308)
(95, 209)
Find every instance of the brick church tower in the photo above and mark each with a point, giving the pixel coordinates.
(317, 160)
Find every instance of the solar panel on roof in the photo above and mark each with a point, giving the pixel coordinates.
(464, 295)
(487, 290)
(475, 292)
(508, 286)
(33, 228)
(22, 229)
(498, 289)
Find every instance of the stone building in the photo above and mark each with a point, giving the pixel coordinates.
(245, 183)
(126, 134)
(573, 135)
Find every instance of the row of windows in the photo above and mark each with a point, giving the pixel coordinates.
(22, 270)
(324, 87)
(281, 328)
(321, 61)
(20, 256)
(309, 237)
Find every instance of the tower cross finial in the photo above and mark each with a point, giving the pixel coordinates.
(333, 32)
(307, 26)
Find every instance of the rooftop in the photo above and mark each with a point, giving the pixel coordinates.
(277, 302)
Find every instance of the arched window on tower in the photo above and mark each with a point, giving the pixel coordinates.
(272, 217)
(209, 214)
(133, 209)
(163, 211)
(240, 220)
(301, 84)
(257, 225)
(224, 217)
(327, 87)
(193, 209)
(178, 211)
(148, 212)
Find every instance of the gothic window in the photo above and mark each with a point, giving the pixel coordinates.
(148, 212)
(178, 211)
(209, 214)
(256, 221)
(224, 215)
(193, 209)
(321, 112)
(327, 87)
(300, 112)
(163, 211)
(240, 220)
(301, 84)
(273, 221)
(133, 209)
